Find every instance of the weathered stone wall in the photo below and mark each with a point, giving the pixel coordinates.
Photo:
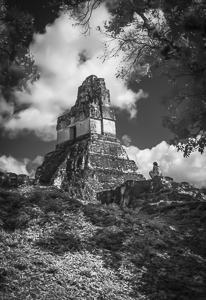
(83, 127)
(9, 179)
(160, 189)
(109, 127)
(93, 158)
(92, 112)
(95, 126)
(63, 135)
(46, 172)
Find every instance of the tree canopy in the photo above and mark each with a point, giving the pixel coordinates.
(154, 37)
(16, 61)
(165, 38)
(18, 23)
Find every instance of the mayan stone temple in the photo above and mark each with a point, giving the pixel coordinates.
(88, 157)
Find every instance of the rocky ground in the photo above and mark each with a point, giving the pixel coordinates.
(56, 247)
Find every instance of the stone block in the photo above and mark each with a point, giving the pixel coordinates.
(22, 179)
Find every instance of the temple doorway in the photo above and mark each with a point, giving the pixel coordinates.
(73, 133)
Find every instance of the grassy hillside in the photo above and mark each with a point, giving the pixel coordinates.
(54, 247)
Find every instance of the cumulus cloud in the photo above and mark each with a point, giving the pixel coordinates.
(126, 139)
(65, 58)
(33, 164)
(172, 163)
(24, 166)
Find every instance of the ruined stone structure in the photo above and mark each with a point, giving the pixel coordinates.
(88, 152)
(10, 180)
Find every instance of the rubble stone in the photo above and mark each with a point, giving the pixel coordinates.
(23, 179)
(3, 178)
(12, 180)
(125, 194)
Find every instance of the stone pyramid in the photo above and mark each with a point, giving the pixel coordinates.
(88, 155)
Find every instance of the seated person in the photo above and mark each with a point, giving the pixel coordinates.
(156, 170)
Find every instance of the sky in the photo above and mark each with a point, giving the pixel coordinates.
(65, 58)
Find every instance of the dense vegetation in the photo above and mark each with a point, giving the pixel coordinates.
(54, 247)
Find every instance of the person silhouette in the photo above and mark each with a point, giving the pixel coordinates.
(155, 171)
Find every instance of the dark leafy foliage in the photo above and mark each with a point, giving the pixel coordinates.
(165, 38)
(16, 62)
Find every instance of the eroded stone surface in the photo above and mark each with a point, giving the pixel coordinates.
(88, 156)
(162, 191)
(9, 179)
(92, 112)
